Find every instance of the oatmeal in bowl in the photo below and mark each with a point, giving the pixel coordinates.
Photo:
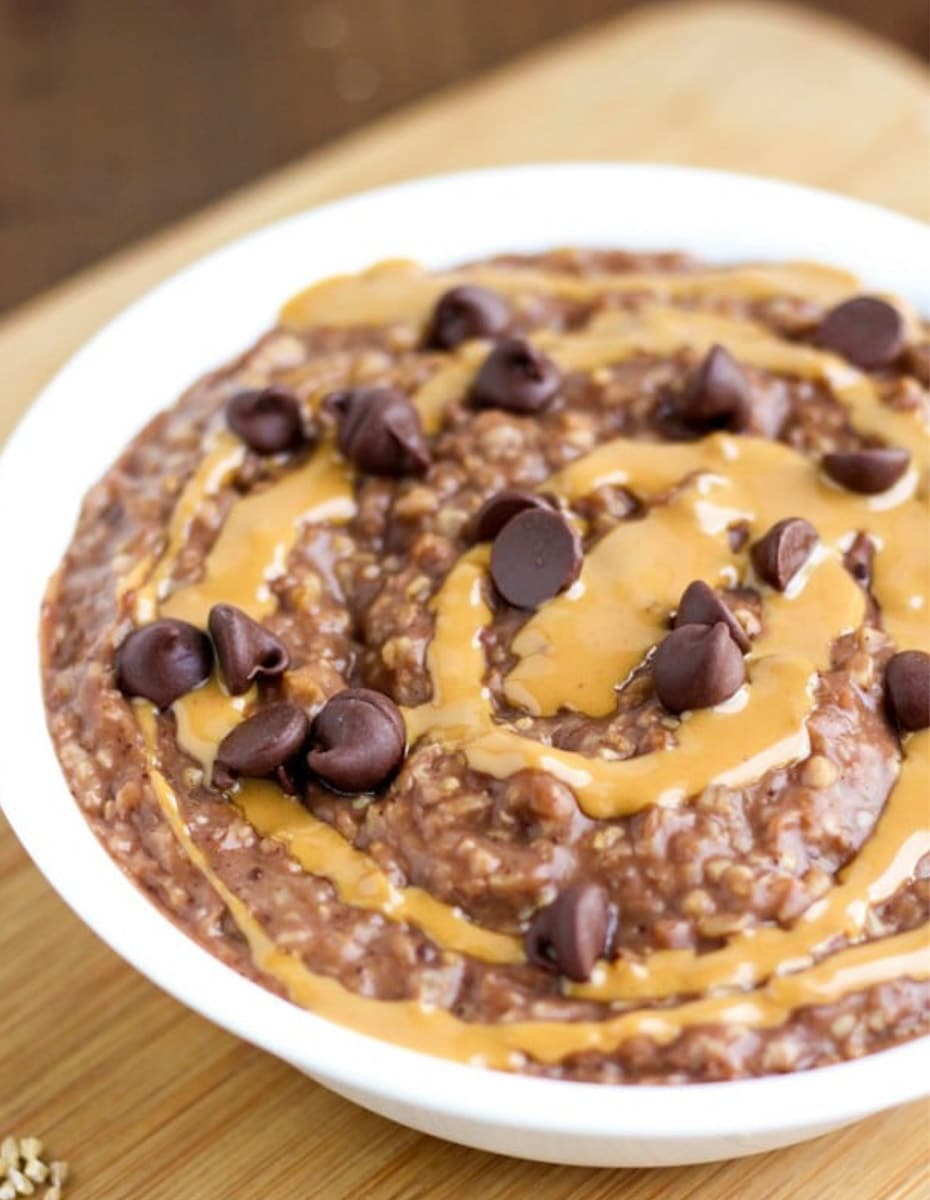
(526, 663)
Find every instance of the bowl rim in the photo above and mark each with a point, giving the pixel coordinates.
(881, 247)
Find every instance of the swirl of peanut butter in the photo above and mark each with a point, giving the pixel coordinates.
(630, 581)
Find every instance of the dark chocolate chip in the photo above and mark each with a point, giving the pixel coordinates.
(717, 392)
(267, 420)
(570, 934)
(867, 471)
(697, 666)
(516, 377)
(357, 741)
(464, 313)
(865, 330)
(534, 557)
(163, 661)
(719, 396)
(380, 431)
(780, 553)
(245, 649)
(858, 559)
(262, 744)
(500, 508)
(907, 689)
(701, 605)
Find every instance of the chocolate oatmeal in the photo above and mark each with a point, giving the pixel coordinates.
(528, 664)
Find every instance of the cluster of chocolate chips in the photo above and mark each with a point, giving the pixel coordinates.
(515, 376)
(536, 552)
(718, 395)
(378, 429)
(167, 658)
(355, 743)
(700, 663)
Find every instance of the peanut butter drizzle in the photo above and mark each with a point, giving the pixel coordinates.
(223, 457)
(421, 1026)
(258, 535)
(887, 860)
(205, 717)
(720, 479)
(402, 291)
(612, 581)
(729, 745)
(322, 851)
(253, 545)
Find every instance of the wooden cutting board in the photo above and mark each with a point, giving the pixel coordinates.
(148, 1101)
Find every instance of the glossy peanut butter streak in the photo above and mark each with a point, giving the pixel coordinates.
(399, 290)
(205, 717)
(635, 574)
(423, 1027)
(250, 550)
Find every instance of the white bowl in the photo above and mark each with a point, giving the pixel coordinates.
(142, 361)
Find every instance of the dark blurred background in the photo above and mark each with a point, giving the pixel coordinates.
(117, 116)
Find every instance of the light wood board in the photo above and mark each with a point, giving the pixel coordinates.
(148, 1101)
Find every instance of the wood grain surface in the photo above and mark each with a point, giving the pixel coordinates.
(141, 134)
(148, 1101)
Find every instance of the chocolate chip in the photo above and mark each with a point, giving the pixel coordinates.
(858, 559)
(867, 471)
(466, 312)
(245, 649)
(516, 377)
(262, 744)
(570, 934)
(534, 557)
(907, 689)
(697, 666)
(267, 420)
(718, 395)
(717, 391)
(380, 431)
(865, 330)
(163, 660)
(357, 741)
(780, 554)
(701, 605)
(500, 508)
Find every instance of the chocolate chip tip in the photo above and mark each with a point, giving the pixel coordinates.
(700, 604)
